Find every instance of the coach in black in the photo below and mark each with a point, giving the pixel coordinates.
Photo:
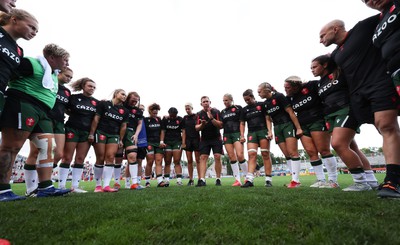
(208, 122)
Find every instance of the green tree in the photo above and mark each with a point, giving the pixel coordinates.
(303, 154)
(210, 161)
(366, 151)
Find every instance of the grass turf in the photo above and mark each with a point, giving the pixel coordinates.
(206, 215)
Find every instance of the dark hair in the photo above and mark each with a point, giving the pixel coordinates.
(79, 84)
(173, 110)
(326, 59)
(153, 106)
(248, 92)
(331, 65)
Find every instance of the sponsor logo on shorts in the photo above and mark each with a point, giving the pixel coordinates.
(70, 135)
(102, 137)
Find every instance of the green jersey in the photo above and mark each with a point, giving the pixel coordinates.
(32, 85)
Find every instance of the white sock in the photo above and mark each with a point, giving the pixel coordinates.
(296, 170)
(235, 170)
(244, 168)
(370, 176)
(289, 165)
(133, 170)
(98, 174)
(250, 177)
(76, 176)
(160, 179)
(62, 177)
(359, 178)
(319, 170)
(331, 167)
(127, 181)
(31, 180)
(107, 175)
(117, 174)
(268, 178)
(179, 179)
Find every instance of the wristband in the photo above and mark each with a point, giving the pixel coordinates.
(161, 142)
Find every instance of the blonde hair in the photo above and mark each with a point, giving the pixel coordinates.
(267, 86)
(19, 14)
(54, 49)
(117, 91)
(189, 104)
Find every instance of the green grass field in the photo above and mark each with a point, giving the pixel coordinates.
(208, 215)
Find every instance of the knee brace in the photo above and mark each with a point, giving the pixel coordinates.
(127, 152)
(45, 144)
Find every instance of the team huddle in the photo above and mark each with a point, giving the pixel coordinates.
(359, 82)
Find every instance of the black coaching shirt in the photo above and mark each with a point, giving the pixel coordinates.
(359, 59)
(111, 117)
(254, 115)
(10, 58)
(231, 119)
(209, 132)
(307, 104)
(81, 110)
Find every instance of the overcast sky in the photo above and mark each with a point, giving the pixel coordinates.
(175, 51)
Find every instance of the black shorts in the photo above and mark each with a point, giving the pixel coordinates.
(192, 144)
(141, 153)
(369, 99)
(206, 146)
